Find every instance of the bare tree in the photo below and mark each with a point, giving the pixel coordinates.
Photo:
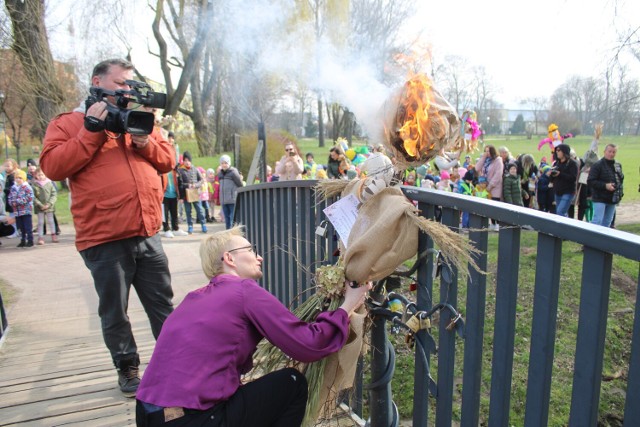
(456, 81)
(375, 29)
(31, 44)
(318, 14)
(188, 26)
(482, 90)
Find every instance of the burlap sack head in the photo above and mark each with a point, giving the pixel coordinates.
(382, 238)
(435, 123)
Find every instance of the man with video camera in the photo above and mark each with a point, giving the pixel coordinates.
(113, 157)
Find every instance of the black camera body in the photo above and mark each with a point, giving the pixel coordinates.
(121, 119)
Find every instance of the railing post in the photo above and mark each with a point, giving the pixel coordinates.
(632, 404)
(504, 328)
(382, 366)
(446, 338)
(543, 330)
(592, 326)
(474, 328)
(424, 302)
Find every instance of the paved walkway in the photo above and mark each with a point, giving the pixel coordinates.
(54, 367)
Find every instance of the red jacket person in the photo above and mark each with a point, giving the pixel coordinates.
(114, 179)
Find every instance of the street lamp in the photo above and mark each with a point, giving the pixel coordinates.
(4, 129)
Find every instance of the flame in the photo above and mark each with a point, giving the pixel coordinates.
(414, 110)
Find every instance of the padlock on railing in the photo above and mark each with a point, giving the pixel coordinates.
(321, 229)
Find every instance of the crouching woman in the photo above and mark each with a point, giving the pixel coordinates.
(206, 345)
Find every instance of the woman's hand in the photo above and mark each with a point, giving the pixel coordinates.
(354, 297)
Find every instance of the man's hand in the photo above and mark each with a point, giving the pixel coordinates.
(354, 296)
(98, 110)
(140, 141)
(95, 116)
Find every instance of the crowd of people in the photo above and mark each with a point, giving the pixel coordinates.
(562, 183)
(25, 195)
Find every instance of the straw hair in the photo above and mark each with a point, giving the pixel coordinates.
(329, 188)
(213, 247)
(598, 130)
(456, 249)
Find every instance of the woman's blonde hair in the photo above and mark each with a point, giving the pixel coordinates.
(213, 248)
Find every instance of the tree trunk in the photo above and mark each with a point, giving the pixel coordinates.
(203, 137)
(218, 113)
(320, 124)
(349, 124)
(199, 118)
(32, 47)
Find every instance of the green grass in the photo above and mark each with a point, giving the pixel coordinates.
(62, 207)
(617, 348)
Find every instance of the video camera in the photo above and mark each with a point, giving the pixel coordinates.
(121, 118)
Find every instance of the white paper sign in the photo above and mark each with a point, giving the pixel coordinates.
(342, 215)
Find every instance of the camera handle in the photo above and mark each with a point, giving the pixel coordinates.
(94, 124)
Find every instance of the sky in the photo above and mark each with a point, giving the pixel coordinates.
(530, 48)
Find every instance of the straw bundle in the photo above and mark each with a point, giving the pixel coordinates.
(329, 282)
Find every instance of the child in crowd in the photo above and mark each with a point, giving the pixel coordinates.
(321, 173)
(311, 166)
(410, 179)
(31, 171)
(543, 163)
(204, 195)
(20, 199)
(170, 202)
(427, 183)
(512, 191)
(456, 178)
(465, 187)
(445, 181)
(544, 190)
(467, 162)
(216, 192)
(481, 188)
(44, 201)
(210, 185)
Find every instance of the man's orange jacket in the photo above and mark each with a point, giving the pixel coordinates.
(116, 189)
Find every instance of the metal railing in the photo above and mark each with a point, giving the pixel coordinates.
(282, 218)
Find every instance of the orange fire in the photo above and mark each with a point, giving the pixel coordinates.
(414, 116)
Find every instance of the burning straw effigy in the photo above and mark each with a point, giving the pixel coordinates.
(419, 122)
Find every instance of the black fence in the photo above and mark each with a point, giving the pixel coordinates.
(282, 219)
